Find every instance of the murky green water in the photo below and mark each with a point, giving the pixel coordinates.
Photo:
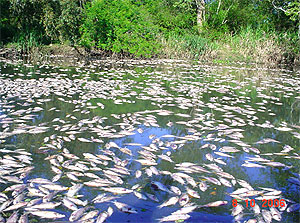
(178, 123)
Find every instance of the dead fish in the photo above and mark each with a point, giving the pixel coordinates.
(185, 210)
(54, 187)
(175, 217)
(110, 211)
(34, 202)
(139, 195)
(46, 205)
(78, 201)
(251, 193)
(117, 190)
(47, 214)
(256, 209)
(214, 204)
(228, 149)
(225, 182)
(240, 191)
(138, 173)
(212, 180)
(148, 172)
(223, 154)
(77, 214)
(13, 218)
(57, 177)
(103, 198)
(209, 157)
(166, 158)
(192, 193)
(152, 197)
(125, 208)
(249, 164)
(49, 196)
(245, 184)
(275, 214)
(89, 215)
(203, 186)
(177, 178)
(74, 189)
(154, 170)
(237, 210)
(266, 215)
(273, 193)
(16, 206)
(102, 217)
(23, 218)
(175, 190)
(146, 162)
(184, 199)
(72, 177)
(293, 207)
(171, 201)
(274, 164)
(159, 186)
(69, 204)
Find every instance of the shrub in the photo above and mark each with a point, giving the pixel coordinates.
(119, 26)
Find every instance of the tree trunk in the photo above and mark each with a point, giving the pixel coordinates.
(200, 13)
(299, 27)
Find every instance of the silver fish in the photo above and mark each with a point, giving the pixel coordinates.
(174, 217)
(266, 215)
(102, 217)
(69, 204)
(275, 214)
(192, 193)
(74, 189)
(125, 207)
(159, 186)
(184, 199)
(46, 205)
(215, 204)
(89, 215)
(13, 218)
(77, 214)
(237, 210)
(171, 201)
(203, 186)
(16, 206)
(47, 214)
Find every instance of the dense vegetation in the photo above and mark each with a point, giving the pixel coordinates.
(252, 30)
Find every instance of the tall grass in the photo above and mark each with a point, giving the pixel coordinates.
(188, 46)
(249, 45)
(257, 46)
(27, 43)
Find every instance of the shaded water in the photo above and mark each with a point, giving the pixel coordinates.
(176, 115)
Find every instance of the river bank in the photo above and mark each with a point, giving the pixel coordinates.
(249, 47)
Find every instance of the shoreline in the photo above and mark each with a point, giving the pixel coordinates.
(55, 51)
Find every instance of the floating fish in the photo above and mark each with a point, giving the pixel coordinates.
(171, 201)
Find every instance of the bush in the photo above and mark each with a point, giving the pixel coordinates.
(120, 27)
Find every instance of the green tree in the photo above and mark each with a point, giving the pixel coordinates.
(119, 27)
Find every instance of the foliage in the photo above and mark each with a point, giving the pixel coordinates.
(119, 26)
(294, 10)
(172, 16)
(153, 27)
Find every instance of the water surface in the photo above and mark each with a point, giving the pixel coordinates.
(178, 114)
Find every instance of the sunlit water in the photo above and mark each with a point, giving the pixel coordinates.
(187, 112)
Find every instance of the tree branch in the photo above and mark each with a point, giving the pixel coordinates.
(278, 8)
